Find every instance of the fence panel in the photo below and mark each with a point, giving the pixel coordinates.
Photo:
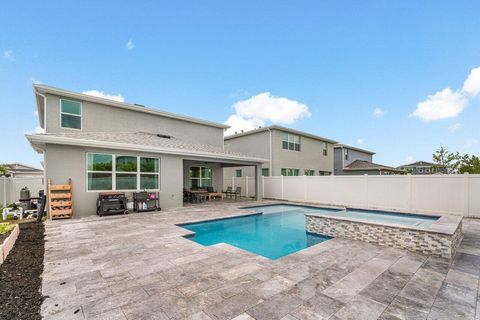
(246, 183)
(10, 188)
(442, 194)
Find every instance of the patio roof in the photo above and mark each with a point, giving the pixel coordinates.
(366, 165)
(138, 141)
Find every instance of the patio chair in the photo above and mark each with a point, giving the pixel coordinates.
(228, 192)
(237, 192)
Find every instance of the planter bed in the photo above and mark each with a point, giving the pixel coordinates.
(20, 274)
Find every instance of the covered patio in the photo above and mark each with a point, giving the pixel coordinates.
(204, 181)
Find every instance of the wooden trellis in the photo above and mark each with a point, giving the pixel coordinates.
(60, 202)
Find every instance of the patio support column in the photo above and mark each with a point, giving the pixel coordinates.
(258, 183)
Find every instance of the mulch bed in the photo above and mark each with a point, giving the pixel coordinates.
(4, 236)
(20, 275)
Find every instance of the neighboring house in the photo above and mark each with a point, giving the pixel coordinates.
(105, 145)
(20, 170)
(422, 167)
(290, 152)
(355, 161)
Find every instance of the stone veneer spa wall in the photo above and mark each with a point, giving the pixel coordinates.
(431, 242)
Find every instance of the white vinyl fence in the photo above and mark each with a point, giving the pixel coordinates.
(10, 188)
(246, 183)
(442, 194)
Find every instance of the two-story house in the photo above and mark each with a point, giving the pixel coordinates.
(289, 152)
(355, 161)
(105, 145)
(422, 167)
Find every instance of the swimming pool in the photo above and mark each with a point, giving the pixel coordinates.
(273, 234)
(408, 220)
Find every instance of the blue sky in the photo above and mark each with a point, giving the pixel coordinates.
(326, 66)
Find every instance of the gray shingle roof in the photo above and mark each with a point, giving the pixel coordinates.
(145, 139)
(366, 165)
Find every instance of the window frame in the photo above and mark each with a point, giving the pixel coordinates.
(291, 142)
(291, 170)
(268, 172)
(325, 149)
(114, 172)
(71, 114)
(308, 172)
(238, 173)
(345, 154)
(200, 178)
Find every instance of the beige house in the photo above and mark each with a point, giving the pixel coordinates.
(105, 145)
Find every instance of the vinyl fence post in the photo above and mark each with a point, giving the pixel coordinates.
(263, 186)
(233, 183)
(281, 179)
(246, 186)
(466, 192)
(305, 188)
(410, 193)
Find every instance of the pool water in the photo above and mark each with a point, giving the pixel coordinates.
(279, 230)
(273, 234)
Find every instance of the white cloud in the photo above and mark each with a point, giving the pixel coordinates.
(35, 130)
(8, 55)
(35, 113)
(130, 45)
(410, 159)
(360, 141)
(378, 112)
(442, 105)
(447, 103)
(34, 80)
(454, 127)
(237, 124)
(472, 84)
(101, 94)
(263, 109)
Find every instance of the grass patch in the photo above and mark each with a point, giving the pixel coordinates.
(6, 227)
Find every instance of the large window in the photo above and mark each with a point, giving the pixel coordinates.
(346, 154)
(308, 172)
(290, 172)
(265, 172)
(200, 177)
(325, 149)
(128, 173)
(291, 142)
(70, 114)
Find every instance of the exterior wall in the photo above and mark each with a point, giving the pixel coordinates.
(104, 118)
(426, 242)
(64, 162)
(435, 194)
(340, 162)
(309, 157)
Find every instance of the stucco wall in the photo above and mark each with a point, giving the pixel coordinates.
(309, 157)
(104, 118)
(353, 155)
(63, 162)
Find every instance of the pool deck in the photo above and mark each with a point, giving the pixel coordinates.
(140, 267)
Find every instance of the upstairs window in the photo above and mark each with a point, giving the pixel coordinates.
(291, 142)
(346, 154)
(70, 114)
(325, 149)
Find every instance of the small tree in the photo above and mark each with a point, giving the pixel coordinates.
(445, 161)
(3, 170)
(470, 164)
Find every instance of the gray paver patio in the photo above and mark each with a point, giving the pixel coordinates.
(140, 267)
